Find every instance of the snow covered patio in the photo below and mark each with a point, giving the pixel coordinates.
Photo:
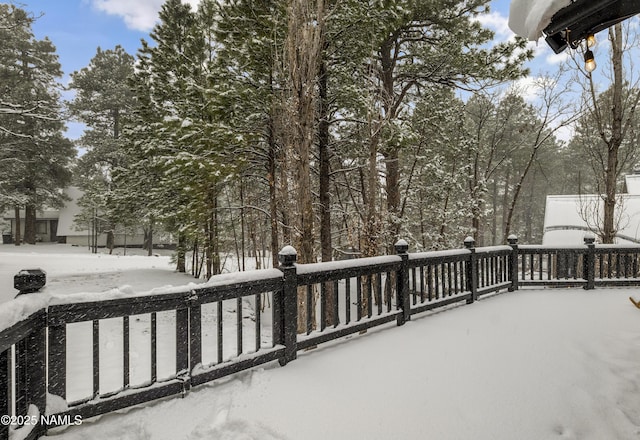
(531, 364)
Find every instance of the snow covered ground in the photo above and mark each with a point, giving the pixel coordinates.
(72, 269)
(533, 364)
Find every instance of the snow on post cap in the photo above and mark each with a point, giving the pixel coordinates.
(512, 239)
(288, 250)
(287, 256)
(589, 238)
(401, 246)
(469, 241)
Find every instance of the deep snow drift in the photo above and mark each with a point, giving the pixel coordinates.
(527, 365)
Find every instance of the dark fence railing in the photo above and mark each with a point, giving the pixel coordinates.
(136, 349)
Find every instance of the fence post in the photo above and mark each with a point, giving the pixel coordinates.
(513, 262)
(472, 270)
(402, 281)
(589, 264)
(288, 305)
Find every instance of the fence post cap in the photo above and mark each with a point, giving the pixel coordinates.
(512, 239)
(402, 247)
(589, 238)
(287, 256)
(469, 242)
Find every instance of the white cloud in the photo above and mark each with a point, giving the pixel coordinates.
(531, 87)
(139, 15)
(498, 23)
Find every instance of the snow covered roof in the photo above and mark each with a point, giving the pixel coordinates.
(528, 18)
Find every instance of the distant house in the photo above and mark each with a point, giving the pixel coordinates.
(60, 226)
(568, 218)
(46, 225)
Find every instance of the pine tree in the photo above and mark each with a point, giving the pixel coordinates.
(35, 156)
(103, 102)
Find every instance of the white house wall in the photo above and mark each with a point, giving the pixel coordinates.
(569, 217)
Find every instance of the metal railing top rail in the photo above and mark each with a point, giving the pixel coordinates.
(336, 270)
(65, 310)
(22, 329)
(546, 248)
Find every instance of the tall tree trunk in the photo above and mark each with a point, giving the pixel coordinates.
(614, 142)
(18, 234)
(30, 224)
(304, 45)
(326, 249)
(148, 238)
(181, 265)
(273, 193)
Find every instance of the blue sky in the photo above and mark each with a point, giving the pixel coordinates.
(78, 27)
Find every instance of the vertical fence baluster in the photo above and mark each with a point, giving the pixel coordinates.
(359, 297)
(239, 326)
(336, 305)
(309, 308)
(369, 295)
(323, 308)
(412, 288)
(154, 346)
(379, 292)
(462, 274)
(455, 277)
(492, 263)
(422, 284)
(430, 283)
(220, 331)
(436, 281)
(347, 299)
(258, 308)
(387, 291)
(531, 266)
(96, 357)
(626, 265)
(540, 261)
(125, 353)
(600, 265)
(449, 283)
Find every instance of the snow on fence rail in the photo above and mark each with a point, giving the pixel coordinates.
(78, 359)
